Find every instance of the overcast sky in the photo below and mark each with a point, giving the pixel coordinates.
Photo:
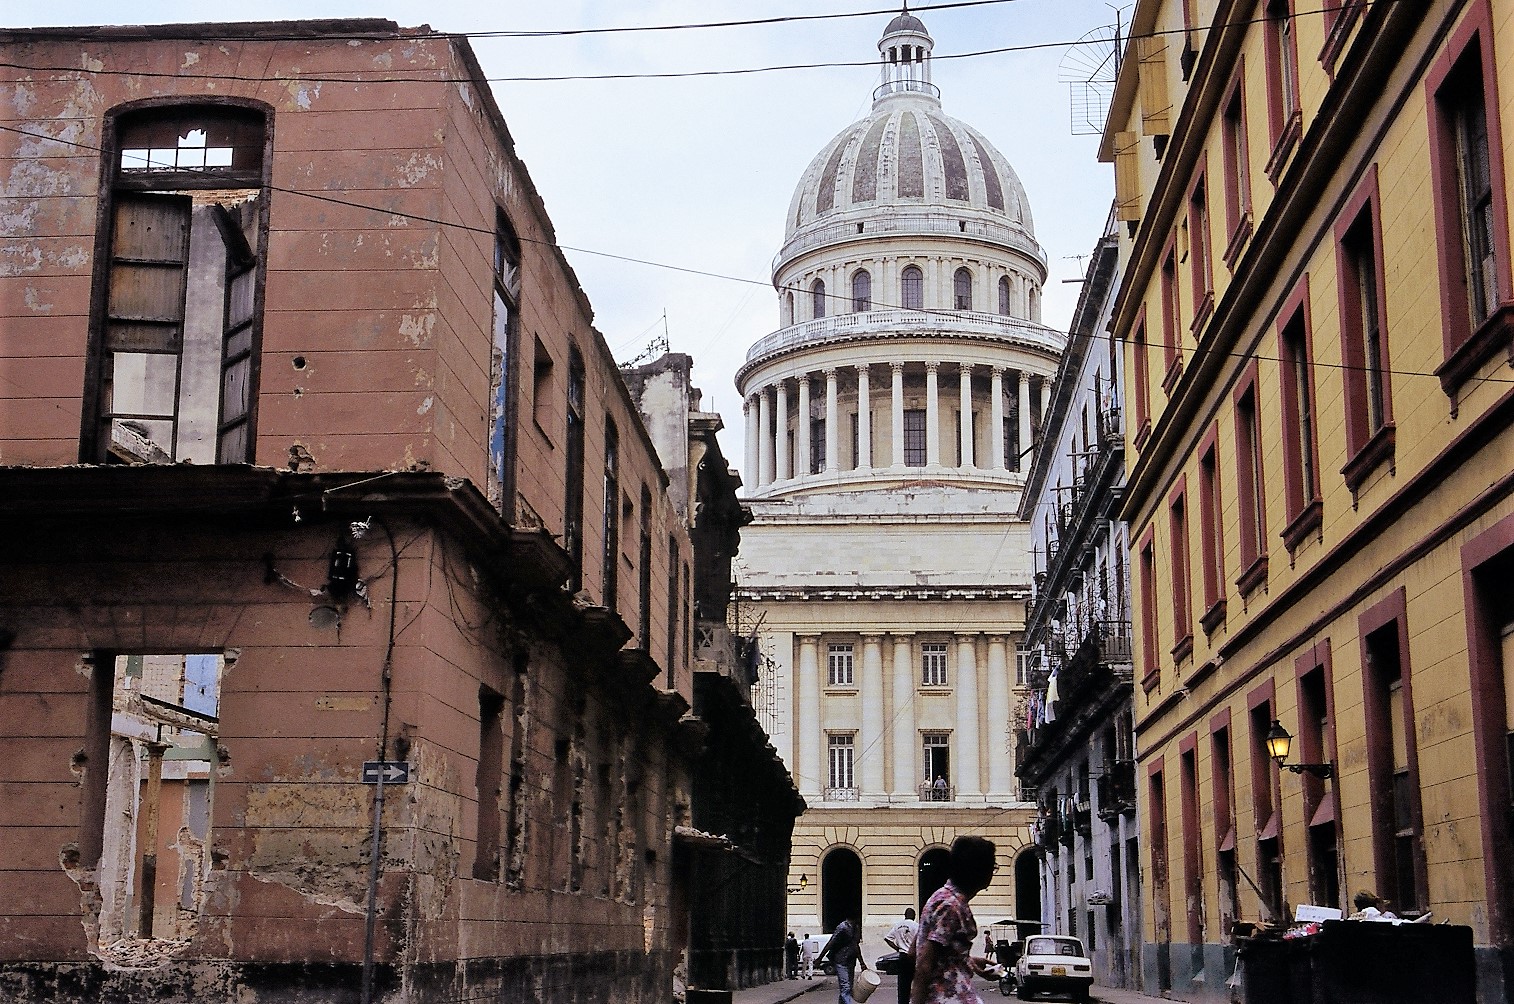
(697, 172)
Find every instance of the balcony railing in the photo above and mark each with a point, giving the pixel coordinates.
(838, 794)
(1012, 236)
(931, 792)
(1116, 789)
(962, 323)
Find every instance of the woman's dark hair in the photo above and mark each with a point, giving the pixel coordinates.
(972, 863)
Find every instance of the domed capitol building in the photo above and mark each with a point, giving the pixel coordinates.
(889, 423)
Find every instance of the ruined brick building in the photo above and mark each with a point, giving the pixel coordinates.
(311, 458)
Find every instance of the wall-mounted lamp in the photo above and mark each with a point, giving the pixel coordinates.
(804, 883)
(1279, 742)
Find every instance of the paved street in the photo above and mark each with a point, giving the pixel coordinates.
(823, 991)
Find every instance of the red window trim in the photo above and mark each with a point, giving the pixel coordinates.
(1488, 724)
(1264, 781)
(1150, 644)
(1224, 782)
(1465, 349)
(1250, 484)
(1141, 370)
(1200, 247)
(1181, 565)
(1193, 840)
(1211, 532)
(1237, 171)
(1172, 354)
(1316, 745)
(1340, 17)
(1392, 609)
(1304, 515)
(1285, 127)
(1366, 449)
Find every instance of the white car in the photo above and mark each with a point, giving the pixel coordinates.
(1056, 964)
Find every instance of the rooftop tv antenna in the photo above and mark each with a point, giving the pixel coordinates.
(1089, 69)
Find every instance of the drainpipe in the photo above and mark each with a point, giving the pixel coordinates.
(155, 751)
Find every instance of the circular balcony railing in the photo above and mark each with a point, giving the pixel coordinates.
(894, 323)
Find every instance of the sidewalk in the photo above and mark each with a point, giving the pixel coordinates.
(823, 991)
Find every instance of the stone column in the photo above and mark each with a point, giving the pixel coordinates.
(765, 437)
(897, 414)
(965, 381)
(1000, 769)
(996, 419)
(802, 461)
(864, 420)
(969, 779)
(1045, 401)
(832, 421)
(810, 770)
(871, 735)
(749, 410)
(906, 757)
(781, 432)
(932, 417)
(1025, 443)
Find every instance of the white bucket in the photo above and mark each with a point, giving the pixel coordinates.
(862, 988)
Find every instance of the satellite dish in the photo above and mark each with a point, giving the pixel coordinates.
(1089, 68)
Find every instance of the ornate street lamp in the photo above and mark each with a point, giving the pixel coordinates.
(1279, 742)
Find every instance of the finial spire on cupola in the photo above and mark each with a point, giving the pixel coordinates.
(906, 48)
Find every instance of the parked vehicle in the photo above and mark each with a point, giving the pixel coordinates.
(888, 965)
(1055, 964)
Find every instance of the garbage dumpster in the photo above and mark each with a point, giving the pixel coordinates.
(1360, 962)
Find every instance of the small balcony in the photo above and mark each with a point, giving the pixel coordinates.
(838, 794)
(1116, 789)
(932, 792)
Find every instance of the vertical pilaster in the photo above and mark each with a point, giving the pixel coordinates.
(996, 418)
(969, 774)
(864, 420)
(871, 736)
(896, 414)
(906, 758)
(932, 417)
(832, 422)
(802, 463)
(781, 432)
(810, 773)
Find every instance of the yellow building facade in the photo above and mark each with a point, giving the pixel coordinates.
(1316, 310)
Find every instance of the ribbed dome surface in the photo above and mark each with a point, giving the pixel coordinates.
(905, 22)
(907, 154)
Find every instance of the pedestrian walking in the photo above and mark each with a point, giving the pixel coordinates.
(809, 948)
(902, 940)
(844, 951)
(944, 963)
(791, 957)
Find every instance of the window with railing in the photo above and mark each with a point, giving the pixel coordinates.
(936, 784)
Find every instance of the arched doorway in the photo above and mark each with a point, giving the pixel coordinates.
(932, 873)
(840, 887)
(1028, 889)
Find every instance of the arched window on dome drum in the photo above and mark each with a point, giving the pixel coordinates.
(1004, 295)
(862, 290)
(962, 290)
(817, 294)
(789, 317)
(912, 288)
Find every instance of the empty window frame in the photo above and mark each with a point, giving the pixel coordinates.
(506, 308)
(174, 366)
(838, 672)
(644, 575)
(912, 288)
(862, 290)
(1300, 446)
(486, 784)
(1466, 160)
(933, 664)
(154, 729)
(962, 290)
(1364, 337)
(610, 559)
(674, 604)
(573, 501)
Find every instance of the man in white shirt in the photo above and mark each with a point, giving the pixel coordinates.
(809, 947)
(902, 940)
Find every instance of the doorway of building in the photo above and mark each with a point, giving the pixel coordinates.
(1028, 891)
(932, 873)
(840, 887)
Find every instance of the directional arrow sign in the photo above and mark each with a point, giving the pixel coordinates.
(392, 771)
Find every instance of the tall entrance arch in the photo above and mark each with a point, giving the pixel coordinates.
(931, 873)
(840, 887)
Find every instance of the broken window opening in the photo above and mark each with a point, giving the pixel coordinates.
(155, 823)
(176, 344)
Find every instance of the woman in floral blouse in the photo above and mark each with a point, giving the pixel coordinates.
(944, 963)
